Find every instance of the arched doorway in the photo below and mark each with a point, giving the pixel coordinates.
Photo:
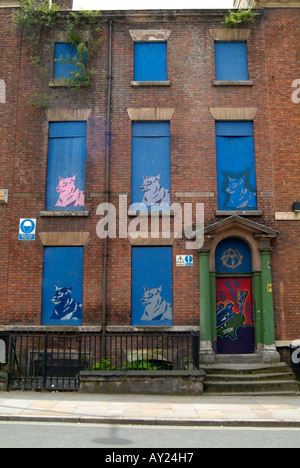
(234, 304)
(253, 273)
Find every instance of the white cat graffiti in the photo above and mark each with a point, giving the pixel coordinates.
(155, 307)
(154, 193)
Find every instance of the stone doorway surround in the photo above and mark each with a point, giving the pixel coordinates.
(259, 239)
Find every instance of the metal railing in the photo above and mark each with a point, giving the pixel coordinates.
(54, 360)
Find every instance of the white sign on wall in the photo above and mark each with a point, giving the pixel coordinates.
(184, 260)
(2, 92)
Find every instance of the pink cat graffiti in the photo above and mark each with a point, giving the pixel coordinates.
(69, 194)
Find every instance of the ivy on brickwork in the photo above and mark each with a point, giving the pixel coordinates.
(37, 18)
(238, 18)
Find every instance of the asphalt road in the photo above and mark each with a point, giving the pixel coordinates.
(65, 435)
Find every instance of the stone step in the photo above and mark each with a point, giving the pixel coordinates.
(247, 369)
(258, 394)
(238, 358)
(250, 387)
(251, 377)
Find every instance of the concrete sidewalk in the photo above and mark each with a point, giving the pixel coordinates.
(264, 411)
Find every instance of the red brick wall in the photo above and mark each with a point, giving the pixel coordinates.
(23, 152)
(282, 44)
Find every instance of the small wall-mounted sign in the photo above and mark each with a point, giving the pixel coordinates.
(184, 260)
(2, 92)
(27, 229)
(270, 288)
(3, 196)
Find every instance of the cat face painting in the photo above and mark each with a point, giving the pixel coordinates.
(240, 196)
(155, 307)
(154, 193)
(66, 308)
(69, 195)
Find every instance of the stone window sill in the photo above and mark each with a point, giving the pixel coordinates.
(239, 213)
(64, 214)
(138, 84)
(233, 83)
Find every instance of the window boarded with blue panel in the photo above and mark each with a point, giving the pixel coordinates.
(152, 286)
(150, 61)
(66, 166)
(236, 166)
(233, 255)
(65, 58)
(151, 166)
(62, 286)
(231, 61)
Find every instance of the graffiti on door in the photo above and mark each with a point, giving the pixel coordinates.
(235, 331)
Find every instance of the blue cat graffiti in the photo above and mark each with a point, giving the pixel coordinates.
(152, 294)
(151, 166)
(236, 166)
(239, 194)
(62, 286)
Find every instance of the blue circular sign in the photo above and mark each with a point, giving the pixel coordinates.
(27, 226)
(189, 260)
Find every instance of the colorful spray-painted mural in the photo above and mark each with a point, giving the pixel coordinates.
(235, 331)
(62, 286)
(66, 166)
(152, 286)
(236, 166)
(151, 166)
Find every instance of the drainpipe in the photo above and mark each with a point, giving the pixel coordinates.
(108, 134)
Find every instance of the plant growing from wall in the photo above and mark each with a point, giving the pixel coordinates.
(238, 18)
(36, 18)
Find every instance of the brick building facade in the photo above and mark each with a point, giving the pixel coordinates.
(218, 112)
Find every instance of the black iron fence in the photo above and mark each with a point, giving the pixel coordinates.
(54, 360)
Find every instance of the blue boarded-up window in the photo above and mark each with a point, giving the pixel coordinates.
(236, 166)
(152, 286)
(65, 58)
(62, 286)
(66, 166)
(150, 61)
(233, 255)
(231, 61)
(151, 166)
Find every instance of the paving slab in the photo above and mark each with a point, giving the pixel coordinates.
(145, 409)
